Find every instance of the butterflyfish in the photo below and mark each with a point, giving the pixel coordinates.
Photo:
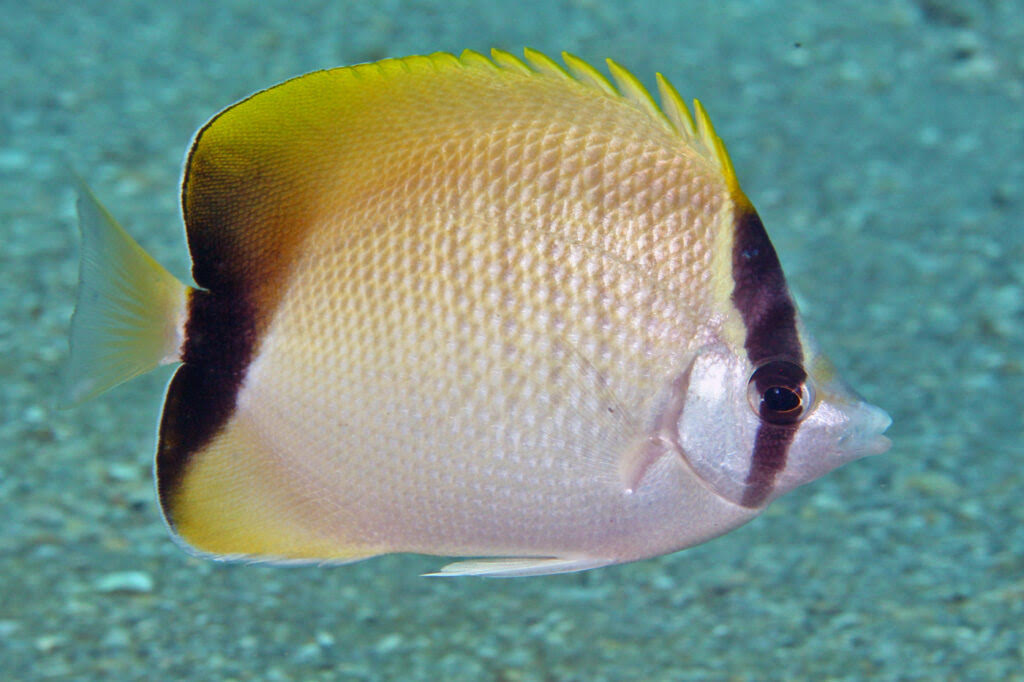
(492, 308)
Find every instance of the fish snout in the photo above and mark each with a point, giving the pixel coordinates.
(864, 436)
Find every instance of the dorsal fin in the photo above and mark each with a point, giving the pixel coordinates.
(673, 113)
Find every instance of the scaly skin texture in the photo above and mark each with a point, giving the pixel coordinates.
(475, 289)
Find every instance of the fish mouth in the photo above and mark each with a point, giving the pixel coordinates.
(864, 437)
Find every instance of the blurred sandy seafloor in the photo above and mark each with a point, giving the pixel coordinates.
(883, 145)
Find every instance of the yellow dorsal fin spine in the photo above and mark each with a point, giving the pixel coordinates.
(510, 61)
(705, 131)
(675, 108)
(473, 58)
(385, 65)
(634, 91)
(728, 171)
(544, 64)
(587, 74)
(441, 60)
(709, 138)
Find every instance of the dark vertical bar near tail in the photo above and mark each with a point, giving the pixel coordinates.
(769, 315)
(220, 338)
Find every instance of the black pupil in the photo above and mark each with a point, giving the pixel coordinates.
(781, 399)
(777, 392)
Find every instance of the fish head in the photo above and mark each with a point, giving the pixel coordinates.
(754, 432)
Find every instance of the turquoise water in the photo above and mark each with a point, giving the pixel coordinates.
(884, 147)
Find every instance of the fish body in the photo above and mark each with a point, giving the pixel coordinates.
(467, 307)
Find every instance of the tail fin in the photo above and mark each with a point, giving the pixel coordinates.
(130, 314)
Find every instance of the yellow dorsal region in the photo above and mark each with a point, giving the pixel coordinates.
(268, 171)
(261, 171)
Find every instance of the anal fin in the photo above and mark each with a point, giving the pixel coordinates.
(518, 567)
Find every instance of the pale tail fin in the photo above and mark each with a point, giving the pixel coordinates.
(130, 314)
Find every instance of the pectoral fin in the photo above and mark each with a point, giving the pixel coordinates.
(663, 437)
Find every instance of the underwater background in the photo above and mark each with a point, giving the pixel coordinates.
(883, 144)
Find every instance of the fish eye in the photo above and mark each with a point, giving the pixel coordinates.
(779, 392)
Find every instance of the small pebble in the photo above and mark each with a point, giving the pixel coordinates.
(388, 643)
(13, 159)
(48, 643)
(133, 582)
(117, 638)
(123, 472)
(307, 653)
